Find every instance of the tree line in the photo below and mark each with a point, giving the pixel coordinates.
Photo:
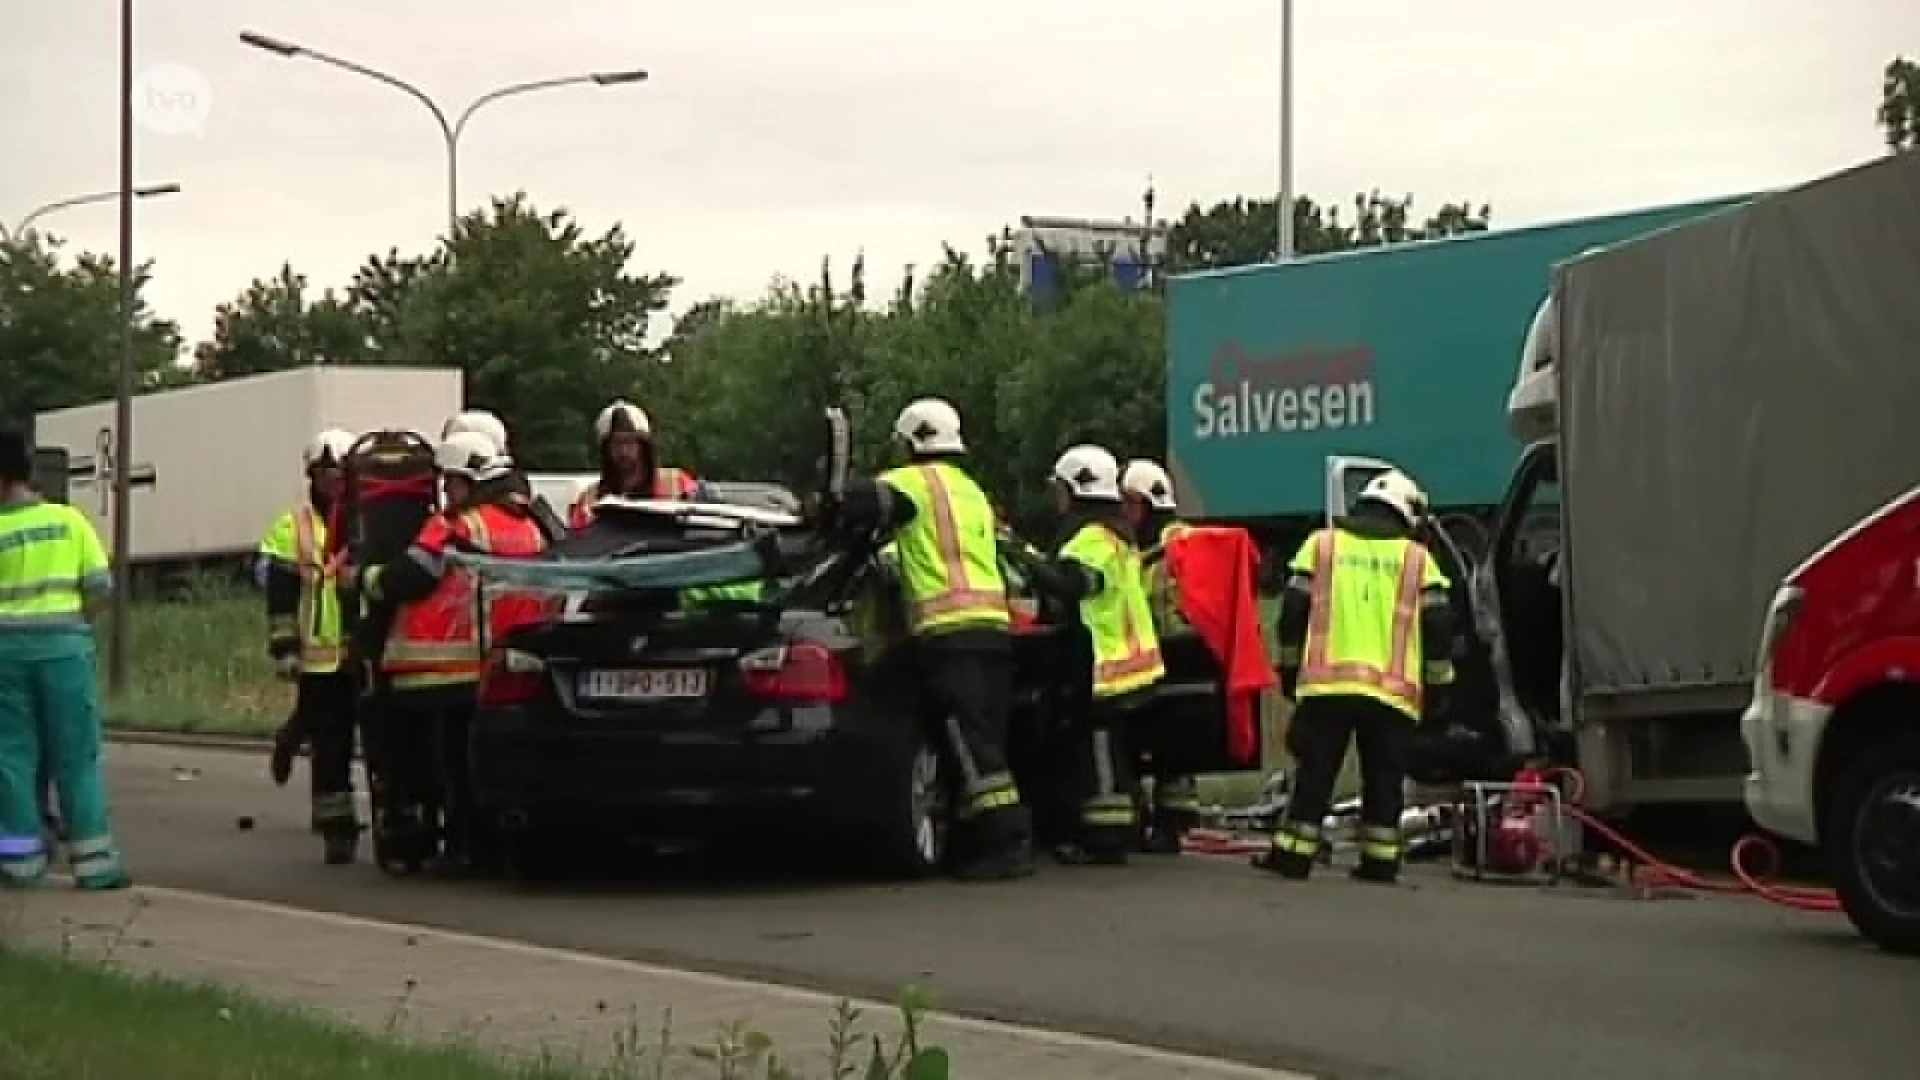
(548, 320)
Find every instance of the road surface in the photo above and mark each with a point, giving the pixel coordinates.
(1435, 980)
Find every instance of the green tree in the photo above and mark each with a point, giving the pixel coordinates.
(544, 320)
(276, 324)
(1239, 231)
(60, 331)
(1899, 113)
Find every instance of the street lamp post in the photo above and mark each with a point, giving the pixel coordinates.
(450, 132)
(117, 658)
(1283, 249)
(39, 212)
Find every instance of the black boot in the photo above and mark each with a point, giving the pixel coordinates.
(1377, 871)
(286, 746)
(341, 843)
(1002, 848)
(1291, 865)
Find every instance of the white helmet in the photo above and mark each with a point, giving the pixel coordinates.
(930, 426)
(621, 417)
(1396, 489)
(471, 455)
(1089, 472)
(328, 448)
(480, 422)
(1149, 481)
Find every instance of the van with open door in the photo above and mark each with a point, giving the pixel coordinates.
(1701, 407)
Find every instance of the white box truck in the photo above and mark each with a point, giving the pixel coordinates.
(213, 465)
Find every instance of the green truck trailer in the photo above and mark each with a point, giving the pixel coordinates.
(1406, 353)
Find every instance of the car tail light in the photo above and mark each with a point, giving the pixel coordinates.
(803, 673)
(512, 677)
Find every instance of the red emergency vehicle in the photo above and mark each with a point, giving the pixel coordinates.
(1833, 732)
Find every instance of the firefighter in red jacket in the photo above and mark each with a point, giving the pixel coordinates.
(430, 667)
(1147, 494)
(629, 465)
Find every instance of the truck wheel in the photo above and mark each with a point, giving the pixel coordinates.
(1874, 845)
(917, 819)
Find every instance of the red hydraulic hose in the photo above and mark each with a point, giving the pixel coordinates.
(1748, 878)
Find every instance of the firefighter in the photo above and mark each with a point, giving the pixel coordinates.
(941, 531)
(629, 465)
(431, 664)
(51, 563)
(1368, 605)
(1097, 569)
(1146, 492)
(306, 640)
(519, 486)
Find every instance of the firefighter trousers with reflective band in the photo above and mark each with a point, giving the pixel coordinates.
(324, 706)
(1104, 784)
(1318, 737)
(50, 712)
(970, 689)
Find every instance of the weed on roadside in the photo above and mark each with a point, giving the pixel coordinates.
(79, 1010)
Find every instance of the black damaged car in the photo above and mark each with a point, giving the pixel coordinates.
(719, 673)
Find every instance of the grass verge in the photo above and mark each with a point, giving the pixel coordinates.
(65, 1019)
(199, 664)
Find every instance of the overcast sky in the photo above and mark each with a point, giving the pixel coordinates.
(774, 133)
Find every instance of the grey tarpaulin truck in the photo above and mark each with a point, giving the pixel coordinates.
(1726, 395)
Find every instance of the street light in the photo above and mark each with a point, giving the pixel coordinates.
(1285, 204)
(82, 200)
(117, 656)
(449, 132)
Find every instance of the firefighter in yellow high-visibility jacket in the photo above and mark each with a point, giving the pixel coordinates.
(306, 639)
(1365, 640)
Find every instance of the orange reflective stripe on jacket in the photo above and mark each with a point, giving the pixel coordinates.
(961, 595)
(316, 573)
(1394, 678)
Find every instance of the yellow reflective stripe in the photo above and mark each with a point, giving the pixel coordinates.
(1395, 684)
(1140, 664)
(1380, 843)
(1297, 840)
(958, 599)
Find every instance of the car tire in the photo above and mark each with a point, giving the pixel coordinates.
(916, 822)
(1876, 804)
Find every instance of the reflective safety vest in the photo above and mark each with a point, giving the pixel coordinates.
(1363, 634)
(668, 483)
(1163, 592)
(298, 544)
(949, 554)
(49, 558)
(439, 639)
(1126, 651)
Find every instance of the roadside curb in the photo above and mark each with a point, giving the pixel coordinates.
(190, 740)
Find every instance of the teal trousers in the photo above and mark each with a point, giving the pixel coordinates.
(50, 716)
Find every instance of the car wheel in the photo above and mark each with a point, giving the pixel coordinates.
(917, 825)
(1874, 847)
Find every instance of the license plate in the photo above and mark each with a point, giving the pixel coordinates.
(645, 684)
